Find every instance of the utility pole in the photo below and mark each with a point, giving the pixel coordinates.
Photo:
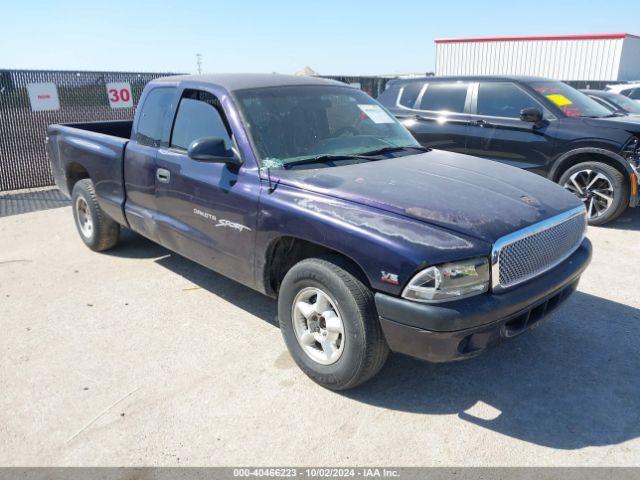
(199, 62)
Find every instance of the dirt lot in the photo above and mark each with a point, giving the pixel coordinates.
(141, 357)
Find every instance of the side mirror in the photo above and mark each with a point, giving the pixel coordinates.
(531, 115)
(212, 150)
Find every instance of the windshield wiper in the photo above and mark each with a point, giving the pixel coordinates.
(356, 156)
(382, 150)
(611, 115)
(325, 158)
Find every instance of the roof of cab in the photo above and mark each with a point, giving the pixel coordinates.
(240, 81)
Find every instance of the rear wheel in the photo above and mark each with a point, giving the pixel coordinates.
(329, 323)
(603, 189)
(96, 229)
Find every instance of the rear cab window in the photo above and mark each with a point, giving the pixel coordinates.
(448, 97)
(153, 114)
(199, 115)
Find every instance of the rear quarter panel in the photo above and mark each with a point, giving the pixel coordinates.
(100, 155)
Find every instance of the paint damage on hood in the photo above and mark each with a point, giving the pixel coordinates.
(465, 194)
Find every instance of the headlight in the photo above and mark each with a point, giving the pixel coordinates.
(449, 281)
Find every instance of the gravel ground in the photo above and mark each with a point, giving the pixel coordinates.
(141, 357)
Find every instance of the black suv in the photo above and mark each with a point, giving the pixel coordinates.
(537, 124)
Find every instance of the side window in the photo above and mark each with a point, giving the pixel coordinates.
(450, 97)
(199, 115)
(635, 94)
(153, 115)
(503, 100)
(410, 94)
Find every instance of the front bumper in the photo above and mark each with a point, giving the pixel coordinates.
(464, 328)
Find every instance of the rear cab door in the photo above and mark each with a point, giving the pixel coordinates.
(497, 133)
(207, 211)
(436, 113)
(150, 122)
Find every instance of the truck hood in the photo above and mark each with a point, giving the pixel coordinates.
(469, 195)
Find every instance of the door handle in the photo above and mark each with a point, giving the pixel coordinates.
(163, 175)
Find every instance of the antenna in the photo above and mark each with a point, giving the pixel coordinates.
(199, 63)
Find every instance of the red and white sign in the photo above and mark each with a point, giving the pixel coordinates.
(43, 96)
(119, 94)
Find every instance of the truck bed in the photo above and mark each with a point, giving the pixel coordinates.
(95, 150)
(113, 128)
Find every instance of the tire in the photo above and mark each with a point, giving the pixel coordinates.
(362, 347)
(96, 229)
(583, 174)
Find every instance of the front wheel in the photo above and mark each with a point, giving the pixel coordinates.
(329, 323)
(603, 189)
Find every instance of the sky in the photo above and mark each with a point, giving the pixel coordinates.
(330, 36)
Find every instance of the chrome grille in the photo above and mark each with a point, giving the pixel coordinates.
(529, 252)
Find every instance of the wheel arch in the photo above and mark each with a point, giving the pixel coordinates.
(588, 154)
(75, 172)
(285, 251)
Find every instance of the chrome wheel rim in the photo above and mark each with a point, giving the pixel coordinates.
(318, 326)
(594, 189)
(83, 215)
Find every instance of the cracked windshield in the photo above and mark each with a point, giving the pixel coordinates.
(289, 125)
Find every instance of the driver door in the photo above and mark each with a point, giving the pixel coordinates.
(204, 209)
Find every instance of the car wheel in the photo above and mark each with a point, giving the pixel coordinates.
(603, 189)
(329, 323)
(97, 230)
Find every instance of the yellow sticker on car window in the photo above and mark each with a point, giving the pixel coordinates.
(559, 99)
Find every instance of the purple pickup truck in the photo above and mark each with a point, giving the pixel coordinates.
(309, 191)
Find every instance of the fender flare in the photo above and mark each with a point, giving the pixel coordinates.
(265, 258)
(561, 160)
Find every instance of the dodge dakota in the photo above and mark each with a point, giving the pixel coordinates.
(309, 191)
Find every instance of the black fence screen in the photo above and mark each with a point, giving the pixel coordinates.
(30, 100)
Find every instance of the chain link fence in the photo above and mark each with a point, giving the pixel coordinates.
(30, 100)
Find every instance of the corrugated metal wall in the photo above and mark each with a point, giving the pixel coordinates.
(597, 59)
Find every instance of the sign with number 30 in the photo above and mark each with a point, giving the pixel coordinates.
(119, 94)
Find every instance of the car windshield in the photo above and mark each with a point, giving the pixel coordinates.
(572, 102)
(623, 102)
(292, 124)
